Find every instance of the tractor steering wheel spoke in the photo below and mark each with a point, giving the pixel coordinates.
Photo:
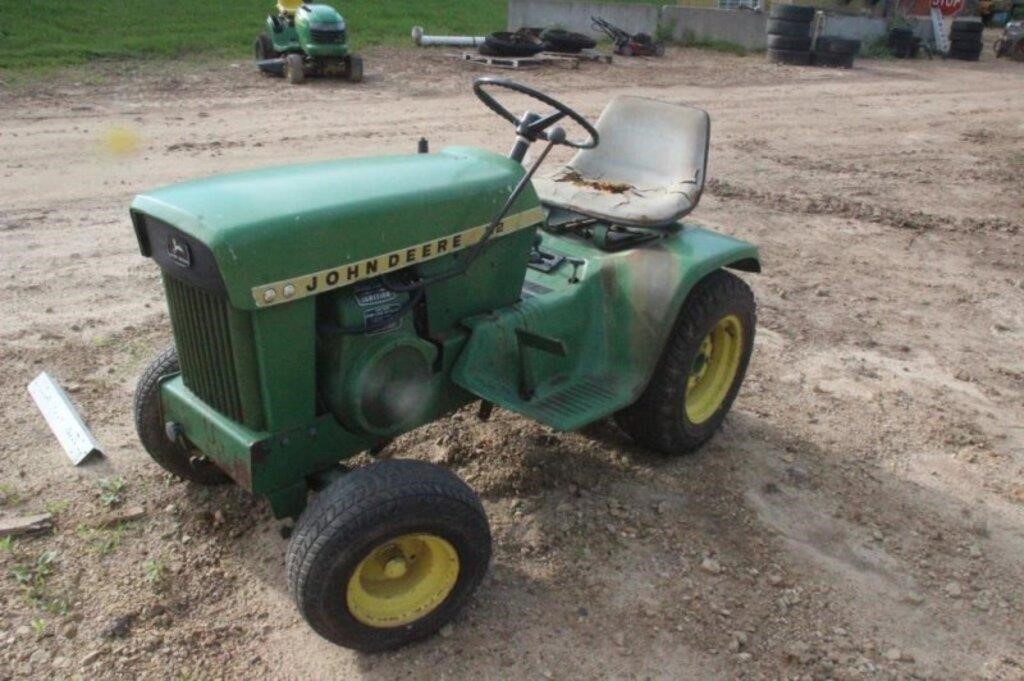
(536, 129)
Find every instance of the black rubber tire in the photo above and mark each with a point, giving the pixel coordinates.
(970, 54)
(151, 426)
(785, 42)
(793, 29)
(789, 57)
(799, 13)
(354, 72)
(828, 59)
(293, 68)
(364, 509)
(559, 40)
(263, 48)
(658, 420)
(835, 45)
(902, 50)
(504, 44)
(960, 43)
(967, 26)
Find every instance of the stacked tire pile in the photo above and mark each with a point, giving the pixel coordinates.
(527, 42)
(903, 44)
(789, 34)
(965, 39)
(835, 52)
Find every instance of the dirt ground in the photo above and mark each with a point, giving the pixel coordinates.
(861, 515)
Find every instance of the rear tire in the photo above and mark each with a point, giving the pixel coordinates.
(388, 554)
(294, 69)
(151, 426)
(678, 412)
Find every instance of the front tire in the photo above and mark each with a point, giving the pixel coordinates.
(700, 370)
(151, 426)
(388, 554)
(294, 68)
(355, 69)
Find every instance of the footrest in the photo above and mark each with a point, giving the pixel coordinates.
(574, 405)
(536, 376)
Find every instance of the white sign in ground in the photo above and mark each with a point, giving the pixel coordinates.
(63, 418)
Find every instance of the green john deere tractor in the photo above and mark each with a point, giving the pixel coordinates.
(305, 39)
(321, 310)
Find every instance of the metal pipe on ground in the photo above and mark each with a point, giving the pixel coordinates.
(450, 40)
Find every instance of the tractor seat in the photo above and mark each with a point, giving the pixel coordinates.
(289, 6)
(647, 171)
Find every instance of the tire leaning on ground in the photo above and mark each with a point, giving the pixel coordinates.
(504, 44)
(151, 426)
(785, 42)
(798, 13)
(789, 57)
(387, 554)
(560, 40)
(795, 29)
(835, 45)
(965, 54)
(700, 370)
(832, 60)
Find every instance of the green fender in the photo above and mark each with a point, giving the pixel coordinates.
(578, 348)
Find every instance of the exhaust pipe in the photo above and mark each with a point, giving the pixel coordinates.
(449, 40)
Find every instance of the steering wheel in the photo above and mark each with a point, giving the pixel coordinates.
(534, 128)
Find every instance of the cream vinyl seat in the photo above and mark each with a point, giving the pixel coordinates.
(648, 170)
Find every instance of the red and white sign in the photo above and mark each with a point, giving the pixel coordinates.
(948, 7)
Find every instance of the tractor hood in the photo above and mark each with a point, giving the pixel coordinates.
(319, 14)
(323, 225)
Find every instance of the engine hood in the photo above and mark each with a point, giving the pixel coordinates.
(318, 14)
(247, 231)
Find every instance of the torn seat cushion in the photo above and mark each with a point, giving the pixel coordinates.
(647, 171)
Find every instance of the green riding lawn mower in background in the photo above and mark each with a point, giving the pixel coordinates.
(321, 310)
(305, 39)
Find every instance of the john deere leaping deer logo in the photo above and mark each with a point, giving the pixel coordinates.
(179, 252)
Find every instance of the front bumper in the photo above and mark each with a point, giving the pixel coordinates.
(276, 465)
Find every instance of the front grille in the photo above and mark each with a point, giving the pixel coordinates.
(203, 338)
(327, 36)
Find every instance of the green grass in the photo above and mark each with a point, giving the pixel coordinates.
(48, 34)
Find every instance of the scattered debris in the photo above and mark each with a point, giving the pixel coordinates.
(124, 515)
(63, 419)
(29, 524)
(424, 40)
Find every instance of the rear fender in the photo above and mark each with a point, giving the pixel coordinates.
(581, 346)
(660, 280)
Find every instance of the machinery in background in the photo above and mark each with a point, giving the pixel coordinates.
(304, 39)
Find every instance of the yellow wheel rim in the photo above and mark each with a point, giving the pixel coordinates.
(714, 369)
(402, 580)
